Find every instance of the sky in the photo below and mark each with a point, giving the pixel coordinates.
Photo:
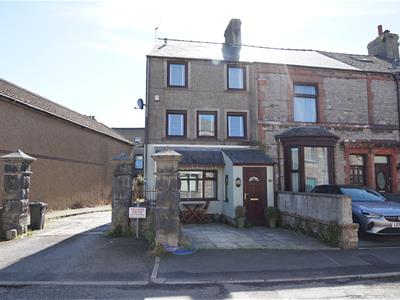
(90, 56)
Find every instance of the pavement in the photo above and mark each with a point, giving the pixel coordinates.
(260, 265)
(76, 251)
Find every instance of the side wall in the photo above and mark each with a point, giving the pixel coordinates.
(73, 163)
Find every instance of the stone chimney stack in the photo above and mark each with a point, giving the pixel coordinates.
(232, 34)
(385, 45)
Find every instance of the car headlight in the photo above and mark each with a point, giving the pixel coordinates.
(370, 214)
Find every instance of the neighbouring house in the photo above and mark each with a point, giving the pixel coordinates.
(252, 120)
(136, 136)
(73, 151)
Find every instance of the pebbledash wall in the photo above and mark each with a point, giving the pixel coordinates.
(73, 162)
(357, 106)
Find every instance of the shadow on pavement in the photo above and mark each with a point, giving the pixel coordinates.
(379, 241)
(88, 256)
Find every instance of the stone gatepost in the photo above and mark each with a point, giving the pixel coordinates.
(122, 191)
(167, 207)
(17, 172)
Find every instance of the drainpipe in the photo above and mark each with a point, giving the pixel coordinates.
(279, 164)
(146, 119)
(397, 79)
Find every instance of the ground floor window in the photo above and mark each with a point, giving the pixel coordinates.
(308, 167)
(198, 184)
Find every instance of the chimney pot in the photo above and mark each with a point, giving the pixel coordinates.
(380, 30)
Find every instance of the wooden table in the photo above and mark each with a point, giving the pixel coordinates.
(193, 211)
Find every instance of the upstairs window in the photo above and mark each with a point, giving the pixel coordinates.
(236, 78)
(177, 74)
(176, 123)
(305, 103)
(139, 162)
(236, 125)
(206, 124)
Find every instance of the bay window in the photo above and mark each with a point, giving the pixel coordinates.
(308, 167)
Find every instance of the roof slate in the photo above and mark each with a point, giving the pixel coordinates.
(207, 156)
(218, 52)
(297, 57)
(367, 63)
(25, 97)
(248, 156)
(195, 156)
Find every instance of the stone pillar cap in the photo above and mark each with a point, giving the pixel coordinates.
(18, 156)
(167, 154)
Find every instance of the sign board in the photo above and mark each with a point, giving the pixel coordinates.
(137, 212)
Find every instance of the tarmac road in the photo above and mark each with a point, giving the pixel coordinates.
(388, 288)
(75, 249)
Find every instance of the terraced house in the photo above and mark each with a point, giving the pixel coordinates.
(252, 120)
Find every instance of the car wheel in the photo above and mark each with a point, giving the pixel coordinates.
(361, 233)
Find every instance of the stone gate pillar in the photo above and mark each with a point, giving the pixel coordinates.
(17, 172)
(122, 191)
(167, 206)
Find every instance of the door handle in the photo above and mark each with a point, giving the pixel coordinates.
(245, 196)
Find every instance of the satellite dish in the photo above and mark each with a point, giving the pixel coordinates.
(140, 103)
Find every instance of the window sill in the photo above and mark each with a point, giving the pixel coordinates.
(239, 91)
(236, 139)
(171, 137)
(197, 199)
(207, 138)
(177, 88)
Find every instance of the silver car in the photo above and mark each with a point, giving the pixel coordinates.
(371, 210)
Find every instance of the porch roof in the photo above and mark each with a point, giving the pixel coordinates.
(200, 156)
(248, 157)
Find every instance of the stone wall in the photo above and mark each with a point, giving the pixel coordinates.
(351, 105)
(328, 217)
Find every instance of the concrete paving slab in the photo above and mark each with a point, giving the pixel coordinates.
(223, 236)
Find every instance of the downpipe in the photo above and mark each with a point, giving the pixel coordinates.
(397, 79)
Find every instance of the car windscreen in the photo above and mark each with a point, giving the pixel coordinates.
(358, 194)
